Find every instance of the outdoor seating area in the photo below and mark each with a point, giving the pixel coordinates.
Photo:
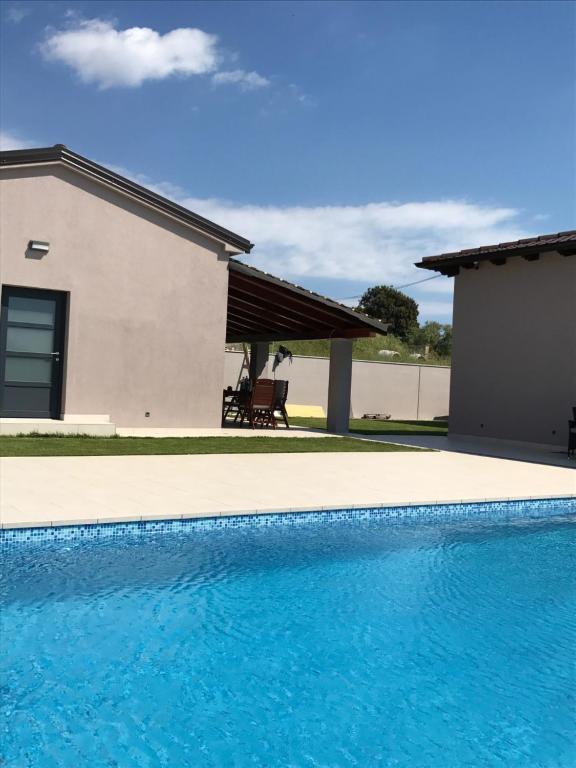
(259, 403)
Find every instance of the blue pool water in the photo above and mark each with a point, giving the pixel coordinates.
(349, 644)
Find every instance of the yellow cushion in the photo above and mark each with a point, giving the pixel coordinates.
(312, 411)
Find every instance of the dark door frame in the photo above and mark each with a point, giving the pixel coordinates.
(60, 318)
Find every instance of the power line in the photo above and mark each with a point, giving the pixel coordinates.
(416, 282)
(396, 287)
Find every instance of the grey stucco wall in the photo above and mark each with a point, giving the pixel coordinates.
(514, 352)
(147, 297)
(404, 391)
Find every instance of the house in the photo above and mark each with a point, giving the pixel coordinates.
(514, 344)
(117, 303)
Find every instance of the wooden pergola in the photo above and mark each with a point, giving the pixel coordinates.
(262, 308)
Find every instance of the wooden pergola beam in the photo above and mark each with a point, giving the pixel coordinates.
(261, 291)
(347, 333)
(262, 308)
(240, 299)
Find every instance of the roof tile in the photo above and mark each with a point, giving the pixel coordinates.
(517, 247)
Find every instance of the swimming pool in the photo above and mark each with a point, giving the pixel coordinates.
(353, 643)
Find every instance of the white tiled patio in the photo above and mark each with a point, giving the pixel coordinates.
(60, 490)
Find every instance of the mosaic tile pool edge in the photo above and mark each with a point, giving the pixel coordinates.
(510, 509)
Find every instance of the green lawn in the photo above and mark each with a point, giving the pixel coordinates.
(374, 427)
(46, 445)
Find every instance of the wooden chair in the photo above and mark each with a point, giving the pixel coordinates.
(233, 403)
(243, 406)
(262, 403)
(280, 397)
(259, 408)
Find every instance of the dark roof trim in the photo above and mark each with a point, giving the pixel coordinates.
(350, 318)
(61, 154)
(529, 248)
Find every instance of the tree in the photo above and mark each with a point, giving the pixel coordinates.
(391, 306)
(444, 345)
(436, 336)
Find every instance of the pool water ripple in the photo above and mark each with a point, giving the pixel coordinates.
(354, 644)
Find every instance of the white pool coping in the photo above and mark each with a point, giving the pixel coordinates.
(53, 491)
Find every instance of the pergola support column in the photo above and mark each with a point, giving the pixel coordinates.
(259, 352)
(339, 385)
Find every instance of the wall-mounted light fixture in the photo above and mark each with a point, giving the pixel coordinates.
(38, 245)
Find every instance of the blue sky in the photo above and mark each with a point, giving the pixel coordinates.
(346, 140)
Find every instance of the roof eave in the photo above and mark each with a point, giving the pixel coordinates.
(528, 248)
(60, 153)
(446, 264)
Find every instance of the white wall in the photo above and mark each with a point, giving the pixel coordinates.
(404, 391)
(514, 351)
(147, 297)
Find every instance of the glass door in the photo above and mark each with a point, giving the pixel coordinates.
(31, 352)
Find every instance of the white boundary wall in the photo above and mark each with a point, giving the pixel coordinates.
(403, 390)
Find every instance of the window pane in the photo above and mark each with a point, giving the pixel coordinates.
(24, 309)
(29, 340)
(28, 369)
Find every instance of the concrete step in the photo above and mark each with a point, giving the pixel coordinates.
(90, 426)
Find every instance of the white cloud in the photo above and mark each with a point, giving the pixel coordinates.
(377, 242)
(247, 81)
(101, 54)
(9, 140)
(16, 13)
